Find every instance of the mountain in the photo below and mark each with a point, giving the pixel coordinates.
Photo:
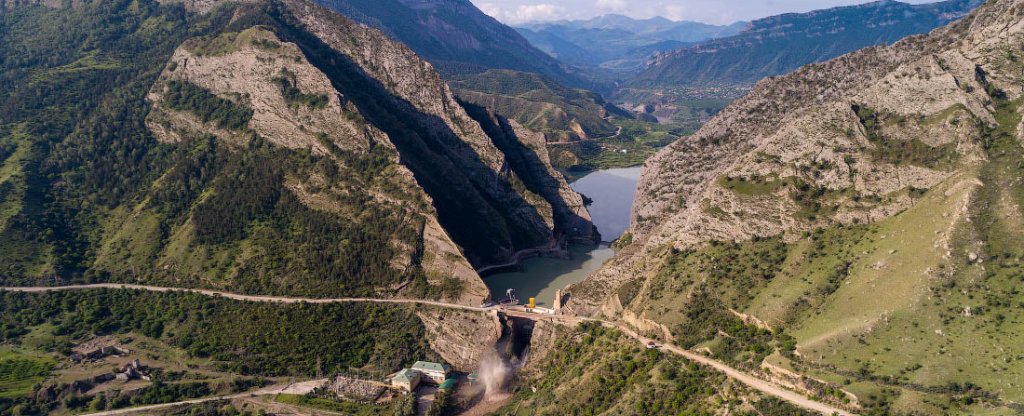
(260, 147)
(618, 43)
(540, 104)
(468, 47)
(780, 44)
(455, 36)
(852, 229)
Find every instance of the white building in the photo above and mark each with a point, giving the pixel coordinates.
(434, 371)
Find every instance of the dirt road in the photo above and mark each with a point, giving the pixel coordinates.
(292, 388)
(236, 296)
(738, 375)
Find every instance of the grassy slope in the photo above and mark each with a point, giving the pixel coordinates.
(895, 312)
(21, 370)
(928, 320)
(594, 370)
(538, 103)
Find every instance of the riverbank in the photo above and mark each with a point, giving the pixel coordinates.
(540, 276)
(519, 256)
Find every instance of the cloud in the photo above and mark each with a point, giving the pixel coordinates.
(525, 13)
(613, 5)
(491, 9)
(675, 12)
(708, 11)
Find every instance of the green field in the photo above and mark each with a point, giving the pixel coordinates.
(637, 141)
(21, 371)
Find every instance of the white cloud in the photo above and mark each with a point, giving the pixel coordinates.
(676, 12)
(491, 9)
(538, 12)
(709, 11)
(613, 5)
(525, 13)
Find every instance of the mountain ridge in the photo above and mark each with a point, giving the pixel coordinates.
(863, 205)
(779, 44)
(284, 101)
(618, 43)
(455, 36)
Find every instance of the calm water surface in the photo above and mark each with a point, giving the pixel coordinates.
(612, 192)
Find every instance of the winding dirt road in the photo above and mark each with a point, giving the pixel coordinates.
(236, 296)
(292, 388)
(738, 375)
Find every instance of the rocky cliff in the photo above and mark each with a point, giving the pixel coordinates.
(283, 149)
(813, 129)
(856, 208)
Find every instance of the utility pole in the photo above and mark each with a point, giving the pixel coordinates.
(319, 369)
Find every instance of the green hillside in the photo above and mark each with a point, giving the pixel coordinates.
(539, 103)
(600, 371)
(881, 314)
(89, 194)
(201, 345)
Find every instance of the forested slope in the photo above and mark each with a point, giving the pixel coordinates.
(257, 147)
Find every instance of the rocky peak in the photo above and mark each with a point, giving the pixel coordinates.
(920, 75)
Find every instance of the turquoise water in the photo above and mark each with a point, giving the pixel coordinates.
(612, 192)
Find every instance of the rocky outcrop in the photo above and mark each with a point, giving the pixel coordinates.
(461, 338)
(248, 67)
(477, 189)
(487, 205)
(542, 342)
(528, 158)
(848, 141)
(790, 127)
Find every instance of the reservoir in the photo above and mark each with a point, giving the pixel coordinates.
(611, 191)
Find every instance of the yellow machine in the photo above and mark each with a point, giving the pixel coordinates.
(533, 303)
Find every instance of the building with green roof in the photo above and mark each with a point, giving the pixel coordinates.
(406, 379)
(436, 372)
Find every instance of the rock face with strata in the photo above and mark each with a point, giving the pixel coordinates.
(825, 145)
(478, 196)
(461, 338)
(805, 127)
(489, 205)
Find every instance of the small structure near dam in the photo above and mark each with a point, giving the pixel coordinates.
(409, 378)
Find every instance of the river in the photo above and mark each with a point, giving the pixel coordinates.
(612, 192)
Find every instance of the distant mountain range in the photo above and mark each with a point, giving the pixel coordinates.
(455, 36)
(474, 50)
(619, 43)
(780, 44)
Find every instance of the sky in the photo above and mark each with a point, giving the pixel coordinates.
(515, 12)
